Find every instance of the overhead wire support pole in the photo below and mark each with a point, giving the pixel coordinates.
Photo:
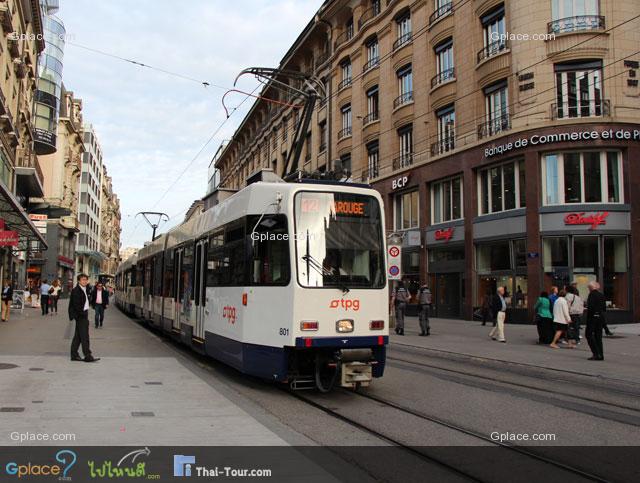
(154, 226)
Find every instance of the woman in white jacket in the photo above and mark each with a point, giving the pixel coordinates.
(561, 319)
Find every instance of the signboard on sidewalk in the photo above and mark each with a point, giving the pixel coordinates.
(9, 238)
(394, 262)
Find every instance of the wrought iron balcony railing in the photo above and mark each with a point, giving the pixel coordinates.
(403, 161)
(345, 132)
(584, 109)
(371, 64)
(492, 49)
(441, 12)
(369, 118)
(443, 77)
(370, 173)
(576, 24)
(402, 99)
(369, 14)
(444, 145)
(494, 126)
(344, 83)
(343, 37)
(402, 40)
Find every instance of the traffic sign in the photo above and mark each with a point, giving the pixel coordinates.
(394, 251)
(394, 262)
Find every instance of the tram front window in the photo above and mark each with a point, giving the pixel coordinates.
(338, 240)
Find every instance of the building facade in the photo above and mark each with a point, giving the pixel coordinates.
(89, 258)
(21, 178)
(110, 228)
(504, 160)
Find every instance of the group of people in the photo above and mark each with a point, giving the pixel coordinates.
(559, 317)
(401, 298)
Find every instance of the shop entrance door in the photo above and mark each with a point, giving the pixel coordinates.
(448, 295)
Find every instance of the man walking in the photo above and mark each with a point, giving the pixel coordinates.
(400, 299)
(79, 311)
(596, 307)
(499, 307)
(99, 302)
(424, 299)
(44, 297)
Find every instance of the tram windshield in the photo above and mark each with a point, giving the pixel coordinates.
(338, 240)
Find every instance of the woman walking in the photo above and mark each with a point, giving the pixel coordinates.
(7, 298)
(576, 309)
(56, 288)
(544, 318)
(561, 319)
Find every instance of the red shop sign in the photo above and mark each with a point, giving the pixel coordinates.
(594, 219)
(445, 235)
(9, 238)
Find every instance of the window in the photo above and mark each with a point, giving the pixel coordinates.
(446, 200)
(442, 7)
(503, 264)
(349, 28)
(372, 105)
(345, 162)
(501, 188)
(405, 135)
(403, 30)
(345, 67)
(575, 15)
(494, 33)
(444, 62)
(308, 147)
(616, 272)
(496, 109)
(492, 257)
(405, 86)
(323, 136)
(446, 119)
(346, 121)
(269, 258)
(406, 210)
(373, 54)
(373, 157)
(582, 177)
(579, 90)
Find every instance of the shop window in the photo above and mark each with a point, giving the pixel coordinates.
(582, 177)
(501, 188)
(446, 200)
(503, 264)
(406, 210)
(493, 256)
(450, 254)
(616, 273)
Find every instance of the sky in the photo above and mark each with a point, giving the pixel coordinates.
(151, 125)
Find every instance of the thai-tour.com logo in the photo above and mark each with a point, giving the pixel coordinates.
(131, 465)
(64, 460)
(184, 465)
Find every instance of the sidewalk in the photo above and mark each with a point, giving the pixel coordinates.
(622, 354)
(139, 393)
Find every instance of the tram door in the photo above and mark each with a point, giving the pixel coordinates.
(200, 286)
(178, 288)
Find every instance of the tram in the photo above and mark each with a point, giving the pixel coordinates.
(283, 281)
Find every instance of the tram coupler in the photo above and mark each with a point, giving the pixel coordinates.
(355, 367)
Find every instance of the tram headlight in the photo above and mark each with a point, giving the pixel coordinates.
(309, 325)
(344, 325)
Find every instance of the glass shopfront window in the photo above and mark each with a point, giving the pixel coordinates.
(503, 264)
(616, 272)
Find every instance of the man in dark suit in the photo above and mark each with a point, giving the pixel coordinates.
(99, 300)
(79, 311)
(596, 307)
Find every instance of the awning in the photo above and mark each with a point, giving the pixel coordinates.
(16, 219)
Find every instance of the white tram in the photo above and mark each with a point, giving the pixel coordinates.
(284, 281)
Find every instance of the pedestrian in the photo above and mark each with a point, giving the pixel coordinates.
(55, 296)
(79, 311)
(544, 318)
(7, 299)
(99, 301)
(561, 319)
(553, 296)
(576, 310)
(499, 308)
(45, 291)
(400, 299)
(425, 300)
(487, 313)
(596, 308)
(35, 294)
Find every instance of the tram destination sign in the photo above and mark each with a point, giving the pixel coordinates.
(562, 137)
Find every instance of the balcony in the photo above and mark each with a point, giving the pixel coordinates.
(323, 147)
(369, 118)
(6, 19)
(322, 58)
(371, 64)
(442, 77)
(13, 44)
(402, 41)
(29, 176)
(403, 99)
(370, 173)
(404, 161)
(343, 38)
(590, 109)
(494, 126)
(344, 83)
(494, 48)
(444, 145)
(580, 23)
(441, 12)
(344, 133)
(369, 14)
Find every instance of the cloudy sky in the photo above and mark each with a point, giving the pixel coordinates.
(151, 125)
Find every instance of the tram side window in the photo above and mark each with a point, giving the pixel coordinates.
(139, 275)
(234, 247)
(157, 276)
(216, 261)
(167, 286)
(186, 274)
(147, 275)
(269, 243)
